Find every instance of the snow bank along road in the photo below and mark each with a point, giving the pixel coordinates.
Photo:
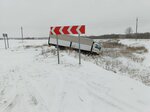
(31, 81)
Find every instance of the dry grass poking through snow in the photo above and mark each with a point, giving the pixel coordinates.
(124, 59)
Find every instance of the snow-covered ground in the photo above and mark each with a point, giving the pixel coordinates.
(143, 42)
(32, 81)
(125, 57)
(142, 68)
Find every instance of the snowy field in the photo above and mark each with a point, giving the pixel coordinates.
(125, 57)
(32, 81)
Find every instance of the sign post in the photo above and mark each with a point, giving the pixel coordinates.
(22, 33)
(5, 36)
(58, 51)
(67, 30)
(79, 50)
(7, 41)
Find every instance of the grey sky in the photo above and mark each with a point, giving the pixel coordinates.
(99, 16)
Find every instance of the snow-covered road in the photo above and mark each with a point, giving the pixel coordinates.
(32, 81)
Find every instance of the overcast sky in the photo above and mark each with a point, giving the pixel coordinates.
(99, 16)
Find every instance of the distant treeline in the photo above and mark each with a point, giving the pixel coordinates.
(110, 36)
(27, 38)
(122, 36)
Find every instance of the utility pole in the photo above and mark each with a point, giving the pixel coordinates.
(137, 25)
(22, 33)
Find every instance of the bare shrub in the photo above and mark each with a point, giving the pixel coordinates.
(129, 31)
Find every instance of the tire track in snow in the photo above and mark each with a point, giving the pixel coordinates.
(8, 96)
(98, 93)
(12, 104)
(23, 93)
(59, 96)
(74, 95)
(34, 95)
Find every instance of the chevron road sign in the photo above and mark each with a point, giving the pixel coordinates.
(64, 30)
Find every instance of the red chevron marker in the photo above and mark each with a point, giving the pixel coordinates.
(64, 30)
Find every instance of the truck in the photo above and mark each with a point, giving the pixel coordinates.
(69, 41)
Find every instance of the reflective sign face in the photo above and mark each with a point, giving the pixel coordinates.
(64, 30)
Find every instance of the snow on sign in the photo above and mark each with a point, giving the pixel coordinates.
(64, 30)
